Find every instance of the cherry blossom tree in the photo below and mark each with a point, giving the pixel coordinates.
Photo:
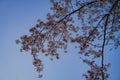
(92, 25)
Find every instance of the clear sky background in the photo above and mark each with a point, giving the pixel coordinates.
(16, 17)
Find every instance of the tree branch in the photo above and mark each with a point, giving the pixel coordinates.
(77, 10)
(103, 45)
(104, 37)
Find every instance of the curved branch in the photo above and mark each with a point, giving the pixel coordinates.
(77, 10)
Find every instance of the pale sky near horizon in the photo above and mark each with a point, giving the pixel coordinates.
(16, 17)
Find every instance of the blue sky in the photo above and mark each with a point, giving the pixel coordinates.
(16, 17)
